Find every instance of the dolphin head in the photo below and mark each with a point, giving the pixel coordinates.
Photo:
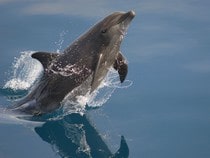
(112, 28)
(109, 32)
(116, 23)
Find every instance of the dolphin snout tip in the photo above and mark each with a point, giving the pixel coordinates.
(132, 13)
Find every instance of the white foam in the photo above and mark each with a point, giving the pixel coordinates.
(102, 94)
(25, 70)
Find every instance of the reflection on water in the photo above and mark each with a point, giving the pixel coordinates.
(74, 136)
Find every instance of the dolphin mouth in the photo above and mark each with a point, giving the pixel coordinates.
(127, 17)
(124, 22)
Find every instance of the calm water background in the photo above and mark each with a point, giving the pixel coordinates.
(165, 113)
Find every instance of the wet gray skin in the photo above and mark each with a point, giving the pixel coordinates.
(84, 63)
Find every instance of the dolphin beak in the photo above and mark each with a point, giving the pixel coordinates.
(125, 20)
(131, 14)
(127, 17)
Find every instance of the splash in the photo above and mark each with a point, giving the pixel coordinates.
(95, 99)
(25, 71)
(59, 43)
(104, 91)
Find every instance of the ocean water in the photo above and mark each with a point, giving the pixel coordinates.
(162, 109)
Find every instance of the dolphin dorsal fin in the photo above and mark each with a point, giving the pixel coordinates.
(44, 57)
(121, 66)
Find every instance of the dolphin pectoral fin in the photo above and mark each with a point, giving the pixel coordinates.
(44, 57)
(121, 66)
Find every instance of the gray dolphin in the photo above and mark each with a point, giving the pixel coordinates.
(84, 63)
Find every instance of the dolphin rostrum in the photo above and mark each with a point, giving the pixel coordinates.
(84, 63)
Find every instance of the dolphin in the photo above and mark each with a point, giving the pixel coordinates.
(84, 63)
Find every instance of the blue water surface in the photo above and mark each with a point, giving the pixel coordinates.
(166, 111)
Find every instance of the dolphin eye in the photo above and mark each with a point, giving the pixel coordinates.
(104, 31)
